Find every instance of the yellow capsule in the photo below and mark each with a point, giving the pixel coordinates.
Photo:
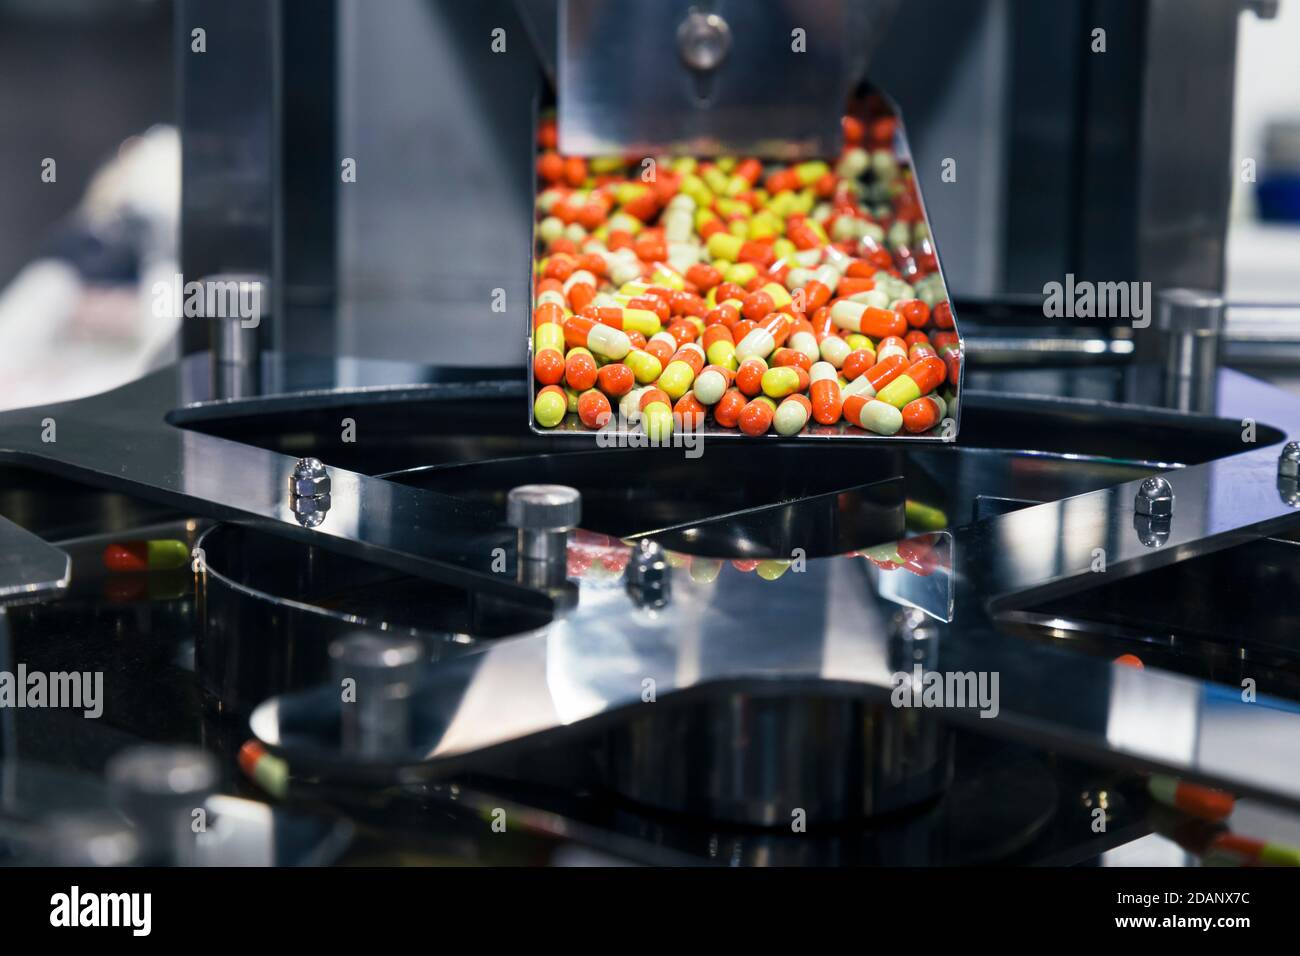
(657, 421)
(742, 273)
(722, 353)
(780, 381)
(771, 570)
(549, 335)
(676, 379)
(645, 367)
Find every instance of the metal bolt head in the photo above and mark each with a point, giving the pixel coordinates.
(310, 512)
(1288, 464)
(544, 507)
(703, 40)
(309, 479)
(1155, 498)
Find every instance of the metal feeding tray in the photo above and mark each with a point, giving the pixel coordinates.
(628, 433)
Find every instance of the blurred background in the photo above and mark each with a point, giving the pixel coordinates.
(1067, 160)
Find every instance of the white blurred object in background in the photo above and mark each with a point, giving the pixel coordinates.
(64, 335)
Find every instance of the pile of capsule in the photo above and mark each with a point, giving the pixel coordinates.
(768, 299)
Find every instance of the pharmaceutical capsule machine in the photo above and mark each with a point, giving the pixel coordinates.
(412, 629)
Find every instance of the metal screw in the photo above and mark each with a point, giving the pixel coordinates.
(544, 515)
(385, 671)
(159, 788)
(1288, 464)
(1155, 498)
(703, 40)
(309, 479)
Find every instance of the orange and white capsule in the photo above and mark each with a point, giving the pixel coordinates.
(1193, 799)
(580, 289)
(867, 319)
(890, 345)
(599, 338)
(791, 415)
(763, 340)
(873, 415)
(824, 390)
(877, 377)
(923, 414)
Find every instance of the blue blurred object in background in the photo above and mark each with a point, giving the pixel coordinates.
(1277, 193)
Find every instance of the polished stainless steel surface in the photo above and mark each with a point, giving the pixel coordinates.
(451, 539)
(644, 77)
(29, 568)
(827, 631)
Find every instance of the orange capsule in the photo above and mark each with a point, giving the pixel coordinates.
(951, 355)
(692, 355)
(704, 276)
(593, 263)
(575, 170)
(687, 303)
(757, 305)
(943, 315)
(727, 412)
(651, 395)
(921, 415)
(854, 130)
(716, 333)
(850, 286)
(861, 269)
(550, 167)
(615, 379)
(690, 411)
(824, 390)
(815, 295)
(791, 357)
(683, 332)
(548, 366)
(802, 235)
(1129, 660)
(756, 417)
(662, 346)
(915, 311)
(593, 409)
(857, 362)
(559, 265)
(879, 323)
(651, 304)
(725, 314)
(749, 377)
(580, 370)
